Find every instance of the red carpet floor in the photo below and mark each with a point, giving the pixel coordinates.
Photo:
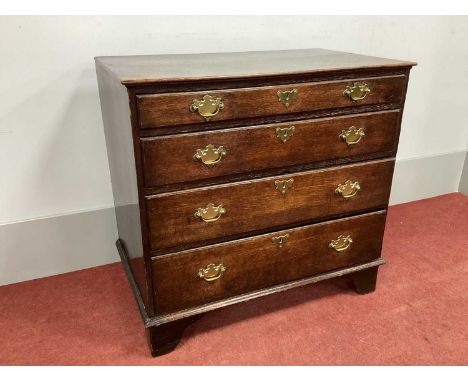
(417, 316)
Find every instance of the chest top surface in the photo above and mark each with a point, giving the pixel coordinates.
(137, 70)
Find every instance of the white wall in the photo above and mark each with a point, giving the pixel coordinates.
(53, 158)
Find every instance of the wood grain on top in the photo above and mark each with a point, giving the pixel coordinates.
(179, 67)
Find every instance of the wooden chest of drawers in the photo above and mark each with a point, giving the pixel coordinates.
(238, 175)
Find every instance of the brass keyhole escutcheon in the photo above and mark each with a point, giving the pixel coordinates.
(207, 107)
(348, 189)
(210, 213)
(280, 241)
(342, 243)
(286, 97)
(284, 133)
(211, 272)
(357, 92)
(283, 185)
(353, 135)
(210, 155)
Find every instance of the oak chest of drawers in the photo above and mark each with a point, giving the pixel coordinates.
(238, 175)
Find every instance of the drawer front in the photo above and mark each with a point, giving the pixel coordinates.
(159, 110)
(191, 216)
(191, 157)
(186, 279)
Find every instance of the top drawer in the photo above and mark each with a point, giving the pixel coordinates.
(160, 110)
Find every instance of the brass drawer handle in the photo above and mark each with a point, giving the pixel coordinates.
(348, 189)
(341, 244)
(353, 135)
(210, 155)
(210, 213)
(207, 107)
(286, 97)
(212, 272)
(284, 133)
(280, 241)
(357, 92)
(283, 185)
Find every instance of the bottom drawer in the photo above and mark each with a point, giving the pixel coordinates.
(202, 275)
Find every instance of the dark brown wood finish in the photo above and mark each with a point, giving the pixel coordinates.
(162, 339)
(365, 281)
(151, 138)
(120, 142)
(170, 159)
(159, 110)
(257, 205)
(198, 310)
(256, 262)
(280, 80)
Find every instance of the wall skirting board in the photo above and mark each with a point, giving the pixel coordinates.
(428, 176)
(463, 187)
(59, 244)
